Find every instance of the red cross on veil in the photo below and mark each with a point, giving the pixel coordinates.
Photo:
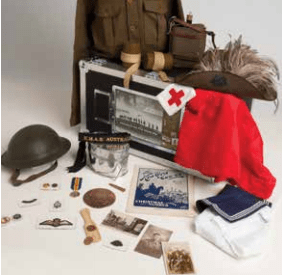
(175, 97)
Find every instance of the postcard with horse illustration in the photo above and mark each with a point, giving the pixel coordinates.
(161, 191)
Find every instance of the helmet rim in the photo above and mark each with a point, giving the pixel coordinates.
(21, 164)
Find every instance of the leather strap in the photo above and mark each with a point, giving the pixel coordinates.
(192, 27)
(188, 25)
(16, 173)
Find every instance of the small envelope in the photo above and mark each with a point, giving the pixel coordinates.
(174, 97)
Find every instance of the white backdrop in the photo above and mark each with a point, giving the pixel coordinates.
(37, 41)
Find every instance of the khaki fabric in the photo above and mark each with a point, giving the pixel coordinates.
(104, 26)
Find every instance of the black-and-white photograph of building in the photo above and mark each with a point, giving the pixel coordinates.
(125, 223)
(140, 115)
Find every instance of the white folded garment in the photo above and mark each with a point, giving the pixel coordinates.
(240, 239)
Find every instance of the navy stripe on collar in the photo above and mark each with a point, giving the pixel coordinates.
(233, 203)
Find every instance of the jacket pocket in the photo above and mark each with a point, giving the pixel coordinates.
(155, 24)
(108, 26)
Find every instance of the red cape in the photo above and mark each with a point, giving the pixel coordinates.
(219, 138)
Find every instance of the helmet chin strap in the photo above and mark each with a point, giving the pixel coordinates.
(16, 173)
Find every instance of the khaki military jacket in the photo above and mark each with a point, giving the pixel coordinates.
(104, 26)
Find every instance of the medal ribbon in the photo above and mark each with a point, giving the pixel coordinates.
(76, 183)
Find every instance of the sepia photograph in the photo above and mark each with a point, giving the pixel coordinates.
(177, 258)
(125, 223)
(151, 242)
(161, 192)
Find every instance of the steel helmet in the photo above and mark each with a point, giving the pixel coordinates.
(33, 146)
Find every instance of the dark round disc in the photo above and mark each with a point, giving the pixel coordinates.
(117, 243)
(99, 198)
(17, 216)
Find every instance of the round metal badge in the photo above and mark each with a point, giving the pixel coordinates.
(99, 198)
(57, 205)
(74, 194)
(46, 185)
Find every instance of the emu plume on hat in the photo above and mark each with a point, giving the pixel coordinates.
(236, 69)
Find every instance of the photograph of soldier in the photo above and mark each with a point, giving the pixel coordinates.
(151, 242)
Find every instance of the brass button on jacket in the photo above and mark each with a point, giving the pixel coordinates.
(104, 26)
(132, 28)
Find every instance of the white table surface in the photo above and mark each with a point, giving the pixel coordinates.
(27, 250)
